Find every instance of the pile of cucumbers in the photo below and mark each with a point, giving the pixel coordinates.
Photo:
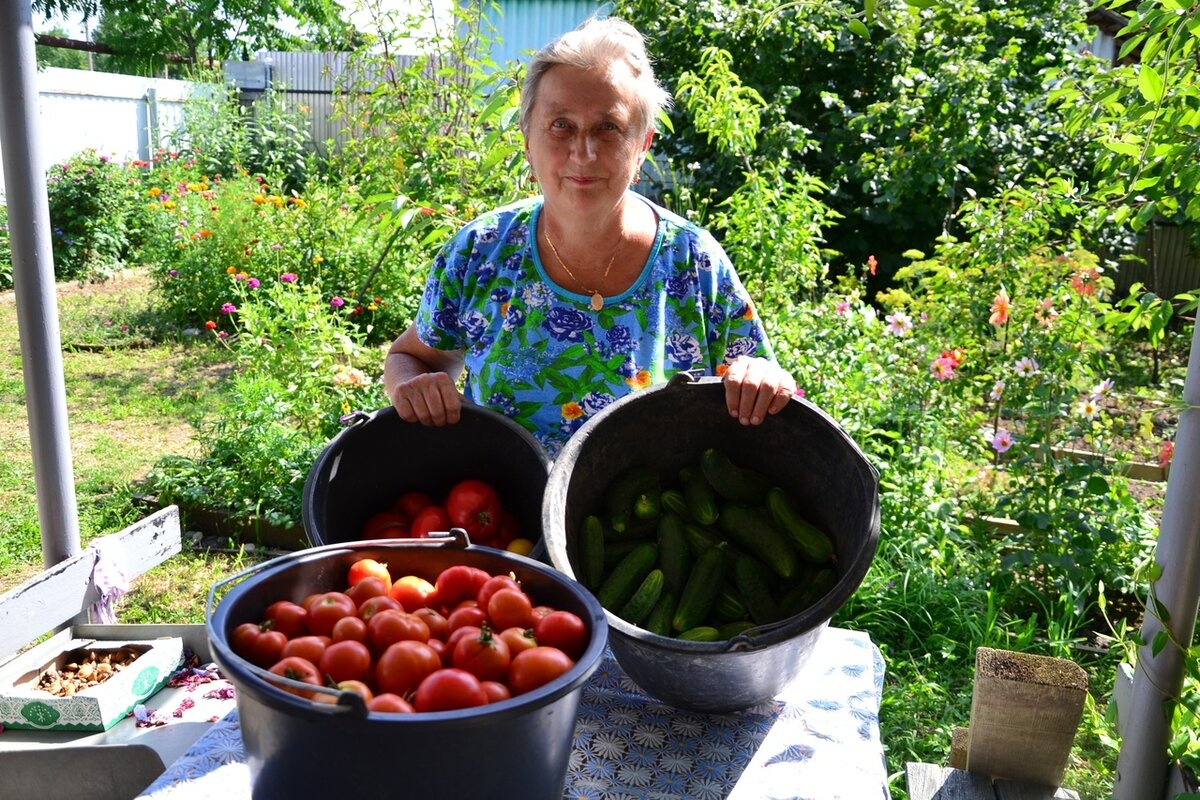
(704, 554)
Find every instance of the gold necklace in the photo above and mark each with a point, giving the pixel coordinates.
(597, 301)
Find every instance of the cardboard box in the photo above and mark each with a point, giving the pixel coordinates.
(26, 707)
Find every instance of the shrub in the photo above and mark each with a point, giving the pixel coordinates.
(94, 215)
(6, 265)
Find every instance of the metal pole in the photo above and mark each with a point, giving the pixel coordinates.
(1142, 764)
(33, 282)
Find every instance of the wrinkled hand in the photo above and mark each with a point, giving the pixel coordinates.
(430, 399)
(756, 387)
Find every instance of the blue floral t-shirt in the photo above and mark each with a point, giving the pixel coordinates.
(542, 356)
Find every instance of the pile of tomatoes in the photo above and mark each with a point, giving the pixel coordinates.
(471, 504)
(467, 639)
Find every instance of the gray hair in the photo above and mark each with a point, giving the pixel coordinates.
(596, 43)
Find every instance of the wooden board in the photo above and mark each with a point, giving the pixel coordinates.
(931, 782)
(60, 594)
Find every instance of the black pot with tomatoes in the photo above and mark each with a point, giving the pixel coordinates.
(384, 478)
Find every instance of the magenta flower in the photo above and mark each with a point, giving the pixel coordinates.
(174, 273)
(228, 308)
(336, 302)
(842, 308)
(288, 277)
(253, 283)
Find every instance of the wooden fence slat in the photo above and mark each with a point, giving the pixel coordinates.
(931, 782)
(1012, 790)
(61, 593)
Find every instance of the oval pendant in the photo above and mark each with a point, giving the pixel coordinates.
(597, 301)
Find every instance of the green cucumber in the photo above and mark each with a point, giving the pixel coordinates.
(731, 629)
(644, 598)
(648, 505)
(673, 500)
(659, 620)
(591, 552)
(627, 576)
(752, 529)
(615, 551)
(623, 492)
(701, 590)
(813, 543)
(729, 606)
(674, 556)
(733, 481)
(750, 576)
(700, 496)
(700, 633)
(804, 595)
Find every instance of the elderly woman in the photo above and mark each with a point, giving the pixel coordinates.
(560, 304)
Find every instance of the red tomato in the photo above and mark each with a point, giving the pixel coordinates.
(310, 648)
(467, 615)
(510, 608)
(474, 506)
(386, 525)
(411, 592)
(365, 589)
(242, 637)
(440, 646)
(458, 583)
(518, 639)
(298, 669)
(346, 661)
(369, 568)
(403, 666)
(431, 518)
(373, 605)
(438, 625)
(457, 635)
(267, 648)
(537, 667)
(290, 619)
(563, 630)
(541, 611)
(350, 629)
(390, 626)
(449, 689)
(388, 703)
(412, 503)
(510, 529)
(485, 656)
(326, 609)
(493, 585)
(495, 691)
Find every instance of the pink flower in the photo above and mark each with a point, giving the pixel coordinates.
(1166, 452)
(253, 283)
(997, 390)
(942, 368)
(872, 264)
(1084, 281)
(898, 323)
(336, 302)
(288, 277)
(228, 308)
(1002, 441)
(1001, 308)
(842, 308)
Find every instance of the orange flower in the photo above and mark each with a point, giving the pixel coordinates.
(572, 411)
(641, 380)
(722, 369)
(872, 264)
(1084, 281)
(1001, 308)
(231, 270)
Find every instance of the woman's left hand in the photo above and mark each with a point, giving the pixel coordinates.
(756, 387)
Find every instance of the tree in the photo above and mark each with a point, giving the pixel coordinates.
(903, 109)
(150, 36)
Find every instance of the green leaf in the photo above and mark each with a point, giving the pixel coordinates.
(920, 3)
(857, 27)
(1160, 641)
(1124, 148)
(1150, 83)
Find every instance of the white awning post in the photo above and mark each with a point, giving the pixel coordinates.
(33, 282)
(1142, 765)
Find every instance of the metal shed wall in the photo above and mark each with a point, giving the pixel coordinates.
(522, 26)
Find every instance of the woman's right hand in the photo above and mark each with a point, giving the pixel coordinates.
(420, 381)
(429, 398)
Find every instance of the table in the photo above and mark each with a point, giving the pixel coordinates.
(817, 740)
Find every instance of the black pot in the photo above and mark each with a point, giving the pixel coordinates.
(669, 426)
(366, 466)
(298, 748)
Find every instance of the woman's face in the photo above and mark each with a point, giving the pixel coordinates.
(585, 141)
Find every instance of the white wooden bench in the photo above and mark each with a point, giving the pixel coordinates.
(120, 762)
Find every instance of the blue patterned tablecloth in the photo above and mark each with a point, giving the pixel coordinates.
(817, 740)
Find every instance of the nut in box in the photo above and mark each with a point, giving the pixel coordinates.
(72, 684)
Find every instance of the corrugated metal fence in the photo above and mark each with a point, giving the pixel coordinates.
(1168, 263)
(122, 116)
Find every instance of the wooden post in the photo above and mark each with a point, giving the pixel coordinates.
(960, 739)
(1024, 713)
